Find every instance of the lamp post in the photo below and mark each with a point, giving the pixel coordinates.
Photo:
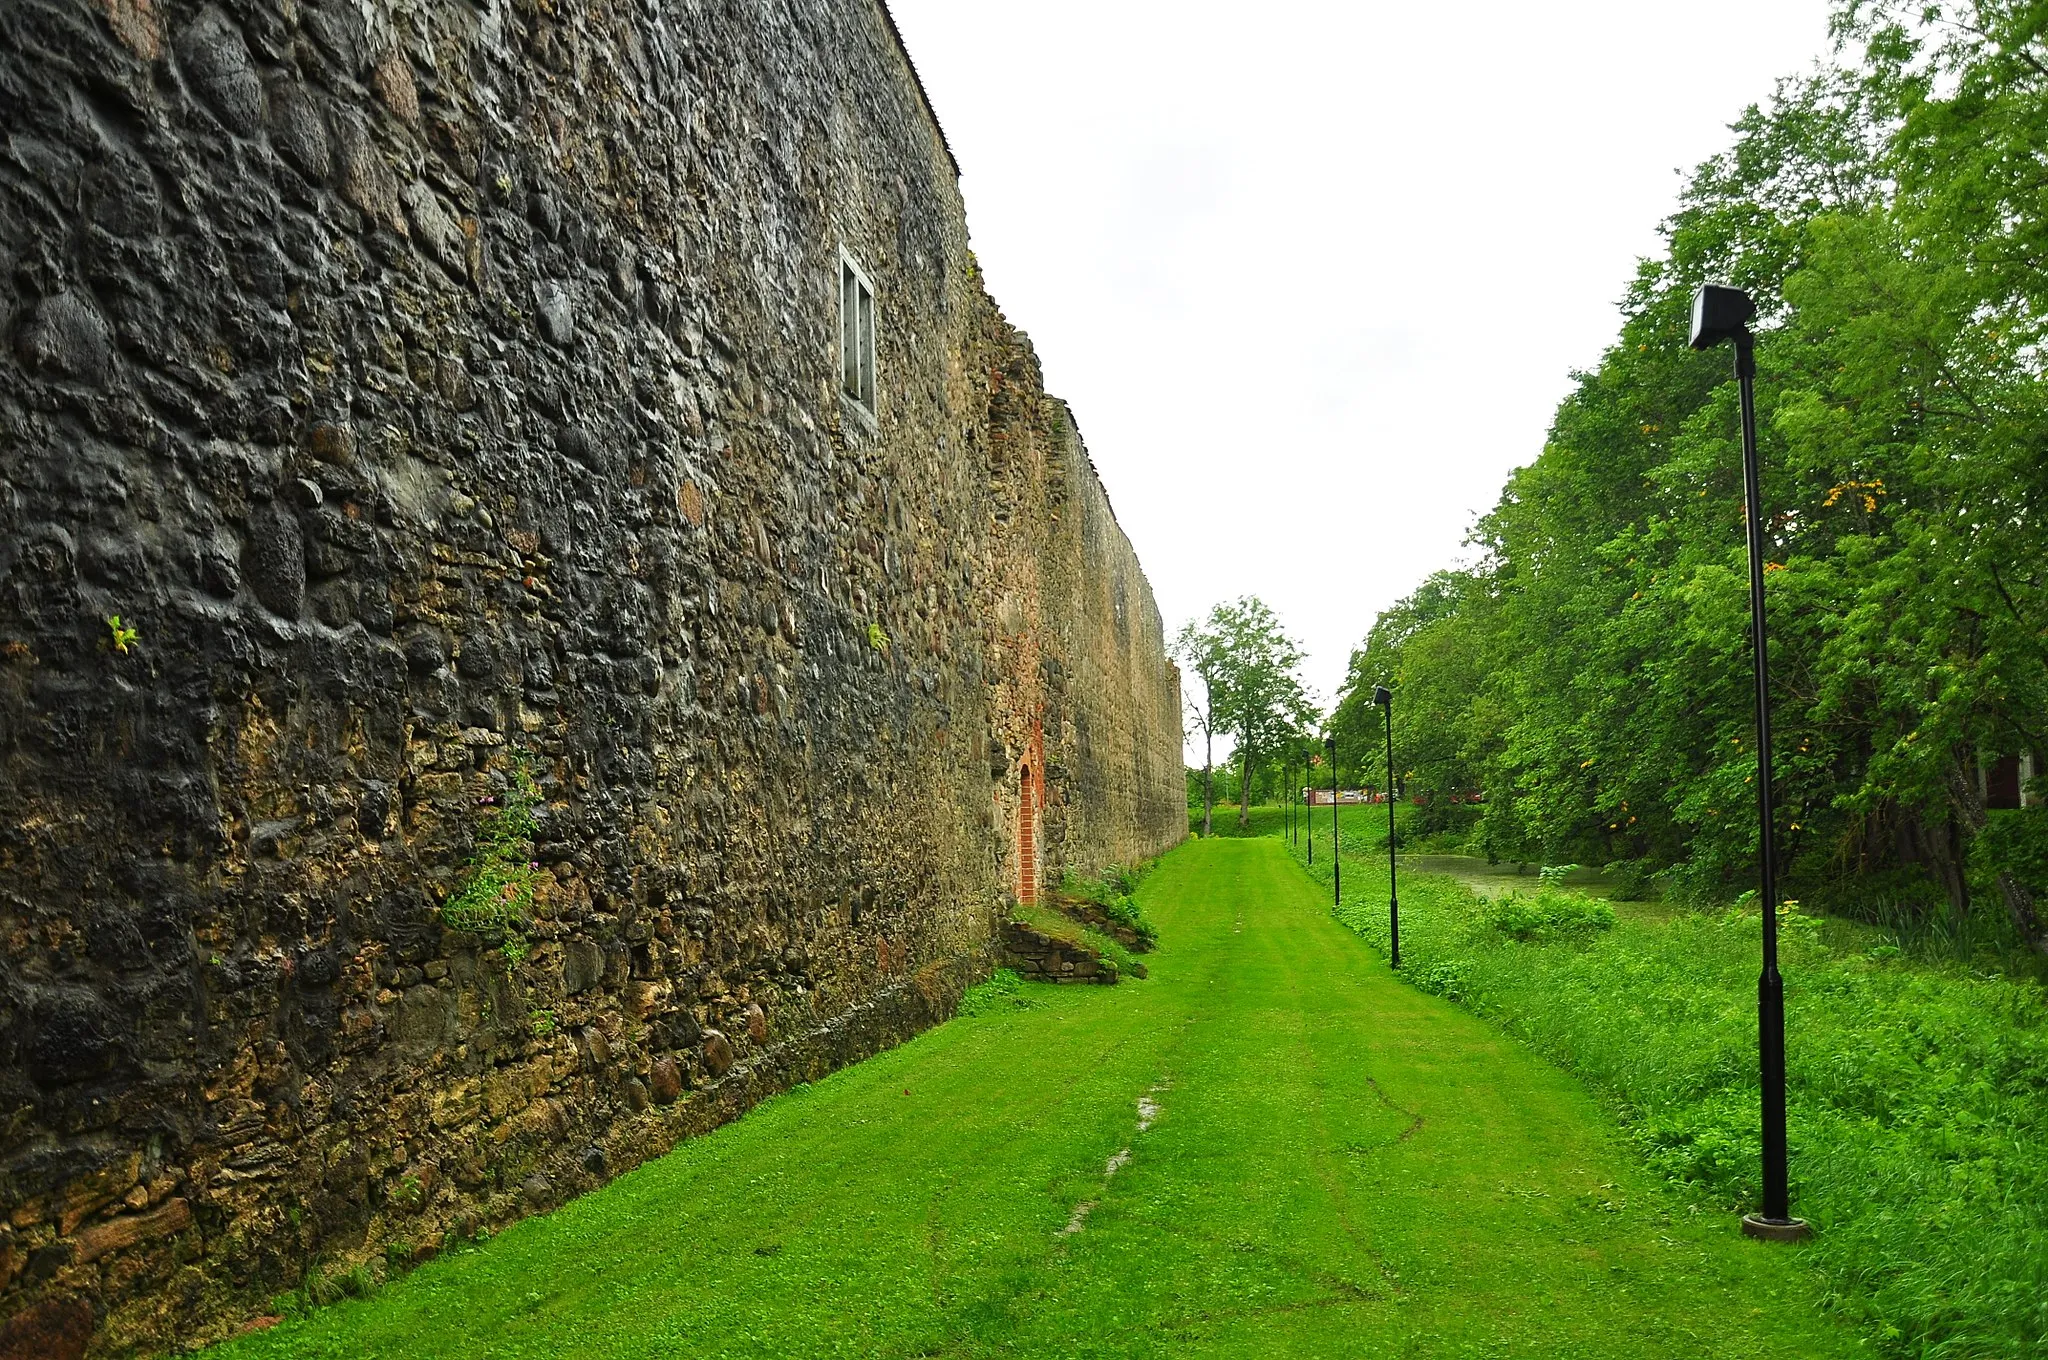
(1308, 810)
(1384, 697)
(1719, 314)
(1336, 855)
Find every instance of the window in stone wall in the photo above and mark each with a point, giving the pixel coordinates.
(857, 336)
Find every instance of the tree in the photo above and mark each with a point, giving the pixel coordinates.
(1590, 669)
(1190, 649)
(1250, 672)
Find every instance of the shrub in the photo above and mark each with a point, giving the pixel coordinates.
(498, 882)
(1548, 914)
(2015, 841)
(1633, 880)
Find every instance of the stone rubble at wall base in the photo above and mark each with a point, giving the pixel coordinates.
(1038, 957)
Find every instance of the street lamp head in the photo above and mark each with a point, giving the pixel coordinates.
(1720, 313)
(1382, 696)
(1330, 745)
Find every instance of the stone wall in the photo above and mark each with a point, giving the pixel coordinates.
(436, 391)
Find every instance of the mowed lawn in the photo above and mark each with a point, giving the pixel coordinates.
(1331, 1164)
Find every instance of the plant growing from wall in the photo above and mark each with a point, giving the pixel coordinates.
(1112, 895)
(498, 882)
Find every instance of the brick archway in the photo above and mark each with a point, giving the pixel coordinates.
(1027, 835)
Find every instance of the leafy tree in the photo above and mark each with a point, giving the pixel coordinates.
(1191, 649)
(1250, 672)
(1590, 669)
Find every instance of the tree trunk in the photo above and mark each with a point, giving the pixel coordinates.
(1208, 780)
(1244, 785)
(1967, 813)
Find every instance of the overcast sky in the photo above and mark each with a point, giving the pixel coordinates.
(1314, 276)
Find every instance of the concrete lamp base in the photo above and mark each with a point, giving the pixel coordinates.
(1775, 1229)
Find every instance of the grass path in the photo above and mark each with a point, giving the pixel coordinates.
(1331, 1164)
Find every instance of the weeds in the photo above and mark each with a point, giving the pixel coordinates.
(1112, 893)
(1551, 913)
(1003, 992)
(498, 885)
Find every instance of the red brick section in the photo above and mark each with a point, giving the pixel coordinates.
(1027, 837)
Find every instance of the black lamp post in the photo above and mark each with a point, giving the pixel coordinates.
(1308, 811)
(1336, 854)
(1384, 697)
(1724, 314)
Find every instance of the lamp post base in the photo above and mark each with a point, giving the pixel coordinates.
(1775, 1229)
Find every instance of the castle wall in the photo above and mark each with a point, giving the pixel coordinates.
(447, 397)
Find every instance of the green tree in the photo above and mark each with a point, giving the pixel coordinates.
(1250, 672)
(1590, 668)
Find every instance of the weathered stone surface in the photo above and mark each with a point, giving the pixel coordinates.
(665, 1081)
(216, 63)
(718, 1054)
(55, 1329)
(439, 388)
(115, 1234)
(66, 337)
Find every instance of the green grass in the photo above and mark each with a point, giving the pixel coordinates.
(1918, 1092)
(1339, 1165)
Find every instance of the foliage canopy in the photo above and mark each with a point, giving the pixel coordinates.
(1588, 669)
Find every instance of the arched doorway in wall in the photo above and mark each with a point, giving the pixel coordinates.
(1027, 835)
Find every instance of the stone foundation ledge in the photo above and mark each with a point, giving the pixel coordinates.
(1038, 957)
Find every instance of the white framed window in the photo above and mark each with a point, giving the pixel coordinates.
(857, 335)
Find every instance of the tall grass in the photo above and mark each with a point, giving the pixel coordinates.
(1918, 1091)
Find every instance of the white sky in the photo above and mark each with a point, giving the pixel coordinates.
(1314, 275)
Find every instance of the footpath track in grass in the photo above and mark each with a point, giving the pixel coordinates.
(1270, 1148)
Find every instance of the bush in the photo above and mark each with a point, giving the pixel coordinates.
(1548, 914)
(2015, 842)
(498, 882)
(1633, 880)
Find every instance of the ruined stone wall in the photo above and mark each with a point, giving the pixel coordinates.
(437, 390)
(1083, 684)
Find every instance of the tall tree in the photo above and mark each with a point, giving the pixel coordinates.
(1191, 650)
(1590, 669)
(1250, 668)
